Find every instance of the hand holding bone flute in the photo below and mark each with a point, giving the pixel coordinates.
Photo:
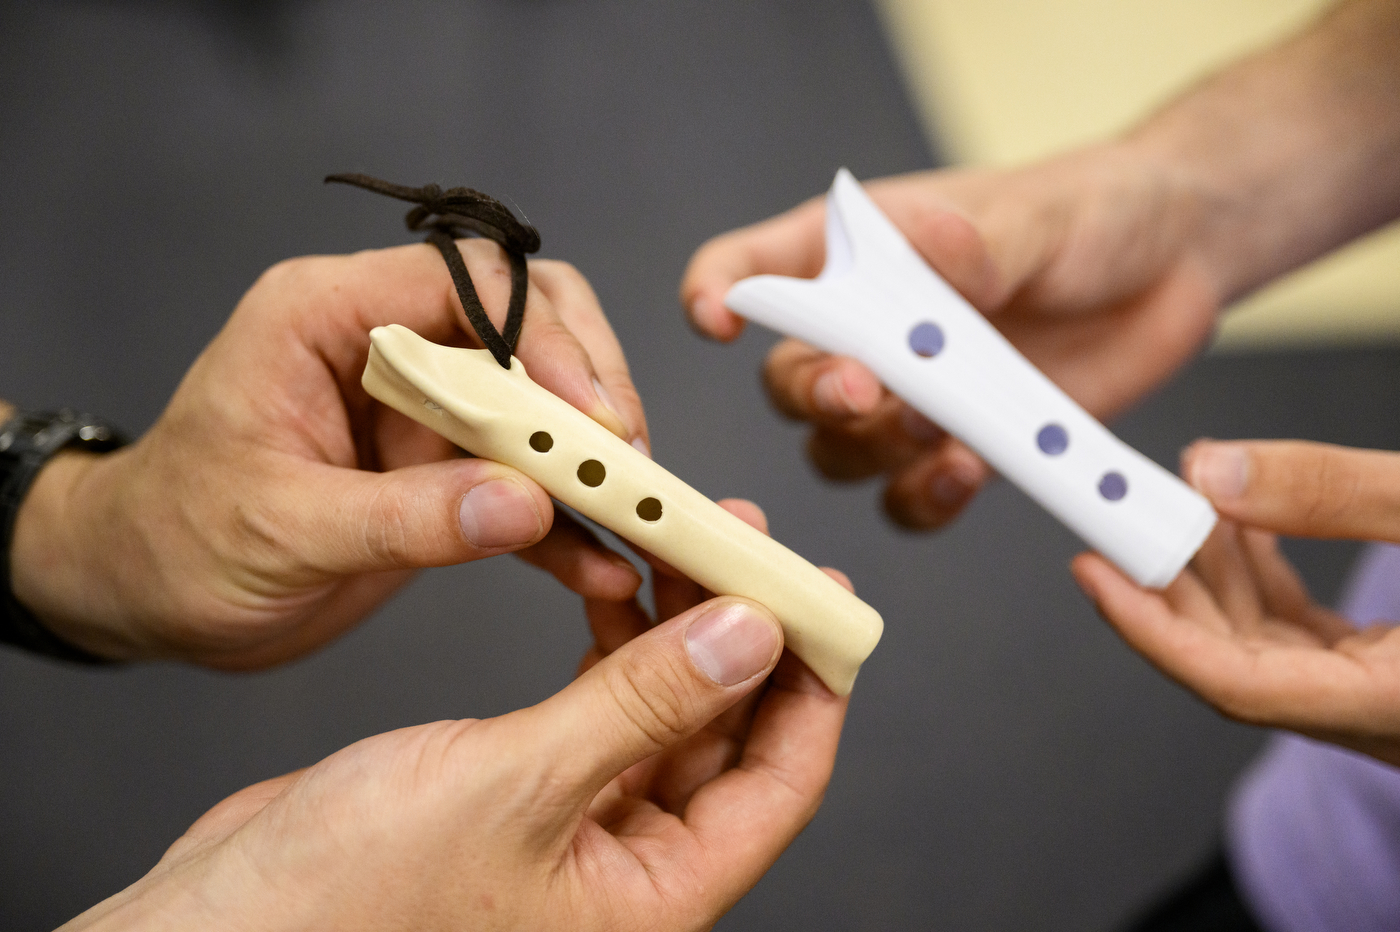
(504, 416)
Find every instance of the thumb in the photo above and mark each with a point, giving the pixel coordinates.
(1299, 488)
(950, 242)
(345, 521)
(657, 690)
(229, 816)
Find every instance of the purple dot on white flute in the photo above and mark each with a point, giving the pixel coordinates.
(926, 339)
(1052, 440)
(1113, 486)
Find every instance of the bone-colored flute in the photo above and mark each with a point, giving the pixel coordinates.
(467, 397)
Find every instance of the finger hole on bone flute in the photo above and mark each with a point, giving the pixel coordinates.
(742, 509)
(592, 473)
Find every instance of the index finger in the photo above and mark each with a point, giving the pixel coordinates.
(553, 353)
(337, 300)
(788, 244)
(748, 815)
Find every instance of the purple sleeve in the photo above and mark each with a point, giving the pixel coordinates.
(1312, 830)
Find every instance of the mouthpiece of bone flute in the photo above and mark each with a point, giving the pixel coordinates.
(500, 415)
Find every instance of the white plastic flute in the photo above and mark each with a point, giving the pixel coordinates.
(502, 415)
(879, 302)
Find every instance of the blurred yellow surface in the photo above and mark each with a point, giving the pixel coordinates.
(1000, 82)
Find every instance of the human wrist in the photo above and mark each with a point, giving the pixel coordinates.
(1292, 148)
(165, 899)
(55, 572)
(1215, 216)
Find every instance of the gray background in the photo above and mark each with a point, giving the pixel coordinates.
(1008, 764)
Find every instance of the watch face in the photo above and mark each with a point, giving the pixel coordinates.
(95, 433)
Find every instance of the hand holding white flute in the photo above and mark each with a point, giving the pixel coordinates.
(878, 301)
(503, 416)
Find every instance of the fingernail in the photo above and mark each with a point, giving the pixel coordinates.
(499, 513)
(641, 446)
(701, 310)
(605, 398)
(1220, 470)
(829, 395)
(621, 562)
(918, 427)
(731, 643)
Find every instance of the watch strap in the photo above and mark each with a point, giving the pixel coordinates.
(27, 442)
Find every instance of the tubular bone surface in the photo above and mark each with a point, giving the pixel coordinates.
(504, 416)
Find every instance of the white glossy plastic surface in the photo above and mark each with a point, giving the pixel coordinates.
(878, 301)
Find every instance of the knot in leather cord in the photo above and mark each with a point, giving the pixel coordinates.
(459, 209)
(451, 214)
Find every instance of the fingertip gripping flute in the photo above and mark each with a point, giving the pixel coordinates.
(502, 415)
(878, 301)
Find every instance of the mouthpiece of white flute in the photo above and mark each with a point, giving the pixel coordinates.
(501, 415)
(878, 301)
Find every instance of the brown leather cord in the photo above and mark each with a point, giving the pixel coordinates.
(447, 215)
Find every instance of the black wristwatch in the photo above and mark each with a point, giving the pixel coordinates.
(28, 441)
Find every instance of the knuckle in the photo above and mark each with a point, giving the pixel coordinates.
(923, 220)
(1331, 490)
(255, 528)
(777, 384)
(841, 458)
(484, 257)
(561, 270)
(908, 512)
(654, 698)
(548, 330)
(258, 533)
(298, 274)
(386, 537)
